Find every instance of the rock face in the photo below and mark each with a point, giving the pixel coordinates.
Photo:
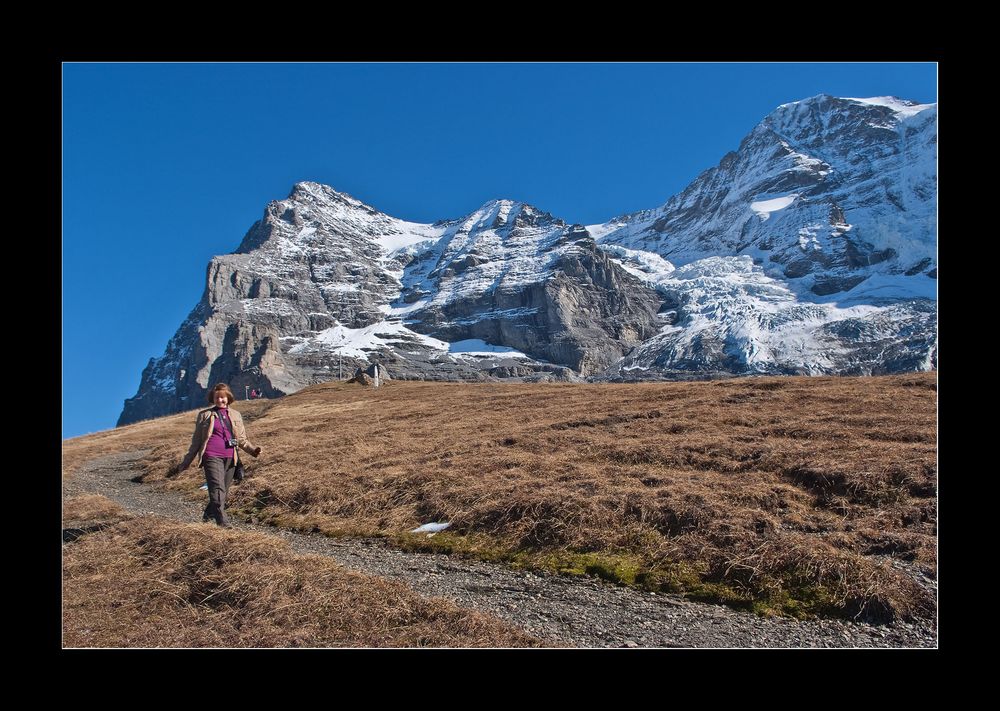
(322, 284)
(513, 276)
(811, 249)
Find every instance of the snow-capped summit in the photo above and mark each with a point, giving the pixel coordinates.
(904, 107)
(324, 193)
(812, 248)
(834, 202)
(846, 176)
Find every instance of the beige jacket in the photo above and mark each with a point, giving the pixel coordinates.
(203, 432)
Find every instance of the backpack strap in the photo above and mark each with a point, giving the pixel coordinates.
(226, 425)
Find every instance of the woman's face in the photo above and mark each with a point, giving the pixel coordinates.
(221, 399)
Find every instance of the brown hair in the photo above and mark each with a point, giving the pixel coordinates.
(221, 387)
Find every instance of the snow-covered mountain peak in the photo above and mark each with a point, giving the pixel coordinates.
(809, 249)
(494, 213)
(314, 214)
(903, 107)
(504, 216)
(825, 116)
(307, 190)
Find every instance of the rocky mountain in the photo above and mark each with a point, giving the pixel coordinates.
(811, 249)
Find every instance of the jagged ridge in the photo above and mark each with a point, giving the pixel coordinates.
(810, 249)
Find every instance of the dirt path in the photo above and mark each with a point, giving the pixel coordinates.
(570, 611)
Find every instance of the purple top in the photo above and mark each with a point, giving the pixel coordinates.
(217, 442)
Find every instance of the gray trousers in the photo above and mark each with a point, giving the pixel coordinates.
(219, 477)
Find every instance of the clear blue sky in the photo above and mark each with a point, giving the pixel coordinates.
(166, 165)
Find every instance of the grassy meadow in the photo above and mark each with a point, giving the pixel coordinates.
(787, 495)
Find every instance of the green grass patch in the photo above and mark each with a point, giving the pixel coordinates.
(620, 568)
(791, 598)
(471, 545)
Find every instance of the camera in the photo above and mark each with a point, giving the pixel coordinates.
(232, 443)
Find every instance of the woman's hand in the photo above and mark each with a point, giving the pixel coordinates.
(256, 452)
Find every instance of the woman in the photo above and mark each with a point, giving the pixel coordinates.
(218, 431)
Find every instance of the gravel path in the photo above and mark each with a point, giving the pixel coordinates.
(569, 611)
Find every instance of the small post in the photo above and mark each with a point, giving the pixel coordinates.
(246, 392)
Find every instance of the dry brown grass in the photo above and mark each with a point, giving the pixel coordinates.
(94, 509)
(786, 494)
(150, 582)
